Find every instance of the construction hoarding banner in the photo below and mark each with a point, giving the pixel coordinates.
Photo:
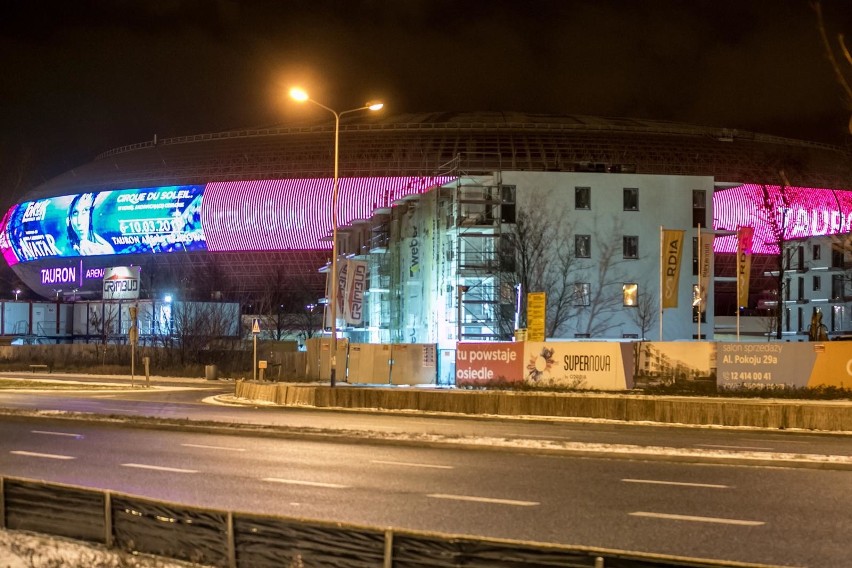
(608, 365)
(491, 362)
(672, 251)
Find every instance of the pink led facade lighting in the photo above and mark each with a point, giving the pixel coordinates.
(798, 212)
(294, 214)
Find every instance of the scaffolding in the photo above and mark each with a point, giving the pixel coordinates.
(484, 281)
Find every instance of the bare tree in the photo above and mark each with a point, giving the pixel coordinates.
(289, 308)
(526, 253)
(605, 299)
(842, 72)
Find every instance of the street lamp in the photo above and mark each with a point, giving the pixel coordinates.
(302, 96)
(16, 291)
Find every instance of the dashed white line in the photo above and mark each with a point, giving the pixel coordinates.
(40, 455)
(484, 500)
(408, 464)
(678, 483)
(202, 446)
(308, 483)
(159, 468)
(756, 448)
(66, 434)
(739, 522)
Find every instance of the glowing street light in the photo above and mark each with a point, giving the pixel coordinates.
(16, 291)
(302, 96)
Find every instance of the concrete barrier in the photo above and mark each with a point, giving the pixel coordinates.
(834, 416)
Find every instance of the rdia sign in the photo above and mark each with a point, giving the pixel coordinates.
(121, 283)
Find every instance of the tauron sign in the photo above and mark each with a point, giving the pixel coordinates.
(121, 283)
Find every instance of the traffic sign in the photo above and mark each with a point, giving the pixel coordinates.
(255, 325)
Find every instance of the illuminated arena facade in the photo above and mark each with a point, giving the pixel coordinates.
(229, 215)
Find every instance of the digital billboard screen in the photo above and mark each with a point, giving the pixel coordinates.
(291, 214)
(788, 213)
(124, 221)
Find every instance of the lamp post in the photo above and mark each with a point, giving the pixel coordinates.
(302, 96)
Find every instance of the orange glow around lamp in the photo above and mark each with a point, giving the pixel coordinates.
(302, 96)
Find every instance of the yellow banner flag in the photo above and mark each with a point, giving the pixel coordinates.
(671, 254)
(745, 235)
(536, 315)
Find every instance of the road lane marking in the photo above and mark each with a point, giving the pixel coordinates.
(484, 500)
(408, 464)
(214, 447)
(680, 483)
(698, 519)
(735, 447)
(159, 468)
(40, 455)
(67, 434)
(308, 483)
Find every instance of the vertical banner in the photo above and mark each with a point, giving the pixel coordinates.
(705, 267)
(745, 236)
(356, 285)
(536, 315)
(672, 252)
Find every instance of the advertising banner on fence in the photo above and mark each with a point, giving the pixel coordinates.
(670, 362)
(579, 365)
(492, 362)
(792, 364)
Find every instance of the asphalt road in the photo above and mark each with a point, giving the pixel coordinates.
(689, 506)
(188, 404)
(783, 516)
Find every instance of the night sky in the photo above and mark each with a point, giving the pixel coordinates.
(83, 76)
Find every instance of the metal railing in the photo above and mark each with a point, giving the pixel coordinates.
(242, 540)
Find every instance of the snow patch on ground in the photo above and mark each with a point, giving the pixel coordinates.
(26, 550)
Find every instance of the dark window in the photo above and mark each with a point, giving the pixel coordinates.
(817, 252)
(801, 290)
(631, 199)
(695, 256)
(582, 198)
(817, 283)
(630, 247)
(582, 246)
(699, 207)
(837, 287)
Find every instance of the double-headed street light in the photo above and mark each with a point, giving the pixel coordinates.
(301, 96)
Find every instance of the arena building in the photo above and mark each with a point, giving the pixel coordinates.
(432, 205)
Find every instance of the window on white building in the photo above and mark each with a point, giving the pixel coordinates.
(631, 199)
(582, 293)
(582, 246)
(582, 198)
(630, 294)
(630, 246)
